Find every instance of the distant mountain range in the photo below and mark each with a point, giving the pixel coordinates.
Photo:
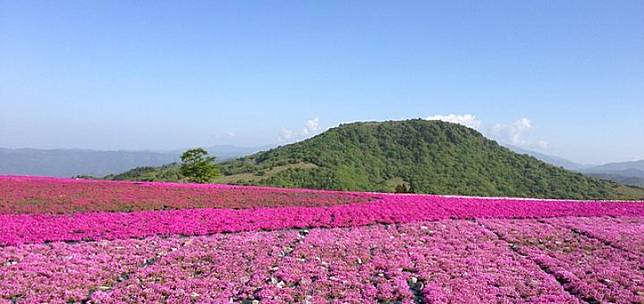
(74, 162)
(550, 159)
(635, 168)
(413, 155)
(628, 173)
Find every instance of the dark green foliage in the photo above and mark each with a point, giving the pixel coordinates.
(426, 156)
(402, 188)
(197, 166)
(86, 177)
(431, 156)
(170, 172)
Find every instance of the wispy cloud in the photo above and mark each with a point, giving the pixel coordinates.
(285, 135)
(223, 136)
(513, 133)
(468, 120)
(311, 127)
(517, 133)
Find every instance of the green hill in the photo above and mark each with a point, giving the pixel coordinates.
(424, 156)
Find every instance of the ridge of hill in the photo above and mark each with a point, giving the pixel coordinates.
(412, 155)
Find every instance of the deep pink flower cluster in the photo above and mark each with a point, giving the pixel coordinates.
(36, 195)
(26, 228)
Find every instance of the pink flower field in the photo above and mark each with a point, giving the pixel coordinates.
(85, 241)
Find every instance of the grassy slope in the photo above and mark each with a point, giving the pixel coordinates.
(429, 156)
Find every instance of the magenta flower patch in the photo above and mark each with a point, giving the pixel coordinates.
(79, 241)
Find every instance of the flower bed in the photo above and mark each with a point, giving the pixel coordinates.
(221, 244)
(585, 266)
(46, 195)
(26, 228)
(429, 262)
(483, 261)
(621, 232)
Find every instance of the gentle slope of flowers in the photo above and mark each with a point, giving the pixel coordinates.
(79, 241)
(464, 261)
(26, 228)
(585, 266)
(37, 195)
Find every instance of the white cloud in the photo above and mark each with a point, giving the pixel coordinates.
(518, 134)
(513, 133)
(468, 120)
(285, 135)
(311, 126)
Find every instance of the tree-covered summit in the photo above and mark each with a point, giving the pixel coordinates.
(415, 155)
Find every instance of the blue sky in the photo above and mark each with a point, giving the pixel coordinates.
(562, 77)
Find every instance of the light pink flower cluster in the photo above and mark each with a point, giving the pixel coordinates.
(585, 266)
(66, 273)
(426, 262)
(621, 232)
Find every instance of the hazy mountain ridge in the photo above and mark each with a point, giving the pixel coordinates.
(628, 173)
(73, 162)
(628, 168)
(550, 159)
(622, 179)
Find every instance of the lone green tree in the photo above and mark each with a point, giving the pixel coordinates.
(198, 166)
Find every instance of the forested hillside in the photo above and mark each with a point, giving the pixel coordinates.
(413, 155)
